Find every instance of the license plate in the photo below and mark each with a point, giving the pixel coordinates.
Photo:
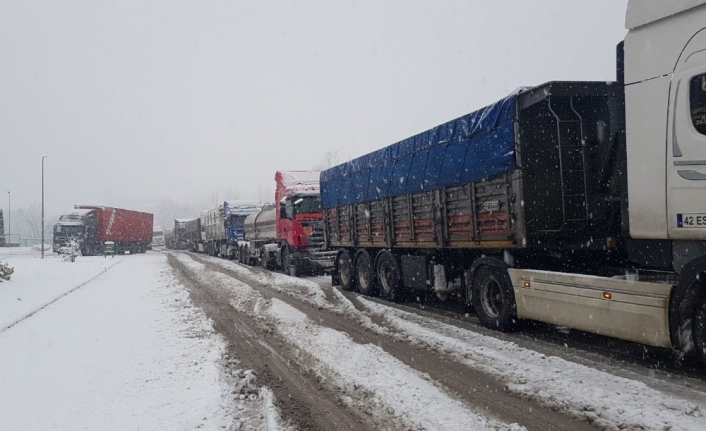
(691, 220)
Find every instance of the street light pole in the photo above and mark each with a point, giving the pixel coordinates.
(9, 218)
(42, 245)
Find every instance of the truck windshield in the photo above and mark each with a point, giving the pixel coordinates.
(69, 229)
(306, 204)
(71, 217)
(237, 220)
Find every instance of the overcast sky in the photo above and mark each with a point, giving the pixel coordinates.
(140, 102)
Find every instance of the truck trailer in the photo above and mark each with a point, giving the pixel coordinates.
(187, 234)
(224, 226)
(91, 226)
(157, 237)
(579, 204)
(289, 234)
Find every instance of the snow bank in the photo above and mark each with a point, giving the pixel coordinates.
(395, 387)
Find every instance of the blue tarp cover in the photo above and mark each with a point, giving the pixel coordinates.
(470, 148)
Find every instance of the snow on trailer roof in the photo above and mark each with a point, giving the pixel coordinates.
(298, 182)
(241, 207)
(184, 220)
(294, 178)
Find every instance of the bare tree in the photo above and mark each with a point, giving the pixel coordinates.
(215, 198)
(231, 193)
(265, 194)
(30, 221)
(328, 159)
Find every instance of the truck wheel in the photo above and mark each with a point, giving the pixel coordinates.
(388, 275)
(289, 264)
(344, 265)
(267, 263)
(365, 277)
(700, 330)
(246, 255)
(494, 299)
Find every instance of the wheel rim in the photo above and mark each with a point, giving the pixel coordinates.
(344, 269)
(364, 274)
(491, 297)
(388, 276)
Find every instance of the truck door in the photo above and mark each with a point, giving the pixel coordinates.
(686, 137)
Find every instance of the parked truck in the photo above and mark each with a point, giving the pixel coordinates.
(224, 226)
(91, 226)
(157, 237)
(580, 204)
(289, 234)
(186, 234)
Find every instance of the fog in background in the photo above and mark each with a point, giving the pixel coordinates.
(169, 106)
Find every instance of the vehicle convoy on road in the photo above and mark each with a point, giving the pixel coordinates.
(288, 235)
(91, 226)
(580, 204)
(224, 226)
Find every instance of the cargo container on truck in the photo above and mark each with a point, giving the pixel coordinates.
(131, 231)
(289, 234)
(581, 204)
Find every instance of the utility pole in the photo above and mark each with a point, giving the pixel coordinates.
(42, 245)
(9, 218)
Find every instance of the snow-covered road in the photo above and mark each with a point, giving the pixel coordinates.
(128, 343)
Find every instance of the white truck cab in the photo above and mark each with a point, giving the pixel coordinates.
(665, 105)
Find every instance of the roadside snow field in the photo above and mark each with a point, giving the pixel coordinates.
(37, 282)
(126, 351)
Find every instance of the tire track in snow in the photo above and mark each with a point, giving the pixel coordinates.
(476, 388)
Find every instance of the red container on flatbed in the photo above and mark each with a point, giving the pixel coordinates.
(122, 226)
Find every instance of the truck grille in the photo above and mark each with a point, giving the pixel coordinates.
(315, 244)
(315, 240)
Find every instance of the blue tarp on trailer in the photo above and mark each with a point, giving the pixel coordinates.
(470, 148)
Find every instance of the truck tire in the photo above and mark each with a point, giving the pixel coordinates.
(494, 299)
(289, 264)
(344, 266)
(388, 275)
(267, 263)
(700, 330)
(364, 273)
